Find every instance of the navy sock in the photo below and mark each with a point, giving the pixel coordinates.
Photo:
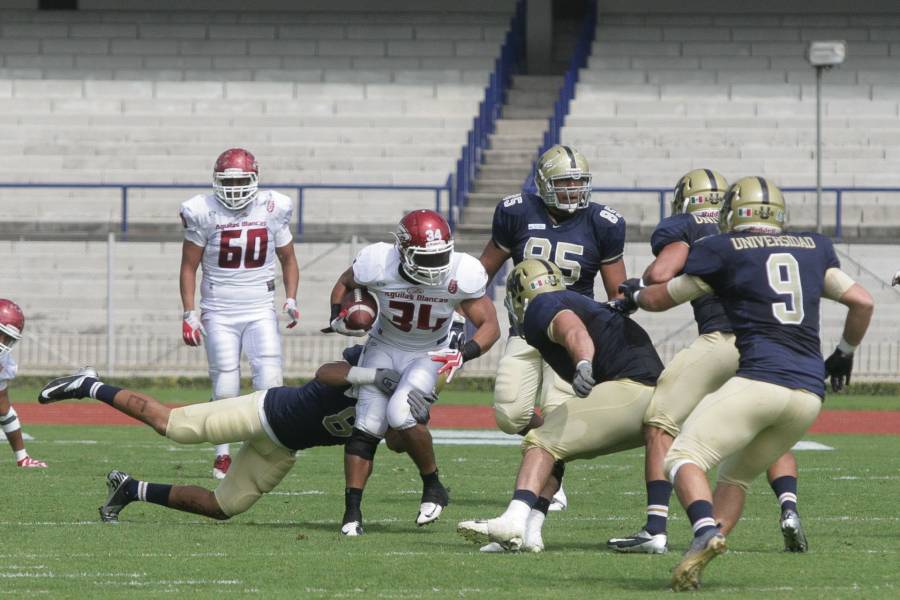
(658, 494)
(700, 513)
(431, 479)
(157, 493)
(542, 505)
(352, 502)
(526, 496)
(785, 489)
(96, 389)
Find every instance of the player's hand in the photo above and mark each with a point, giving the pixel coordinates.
(457, 332)
(290, 309)
(192, 331)
(838, 366)
(338, 326)
(420, 405)
(896, 279)
(387, 380)
(623, 305)
(583, 382)
(452, 360)
(630, 288)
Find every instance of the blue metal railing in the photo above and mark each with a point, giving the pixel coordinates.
(488, 110)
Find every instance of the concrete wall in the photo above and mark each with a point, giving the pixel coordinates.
(812, 7)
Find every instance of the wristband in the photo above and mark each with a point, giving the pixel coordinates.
(845, 347)
(585, 361)
(470, 350)
(360, 376)
(335, 311)
(187, 314)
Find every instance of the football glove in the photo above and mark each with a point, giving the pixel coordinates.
(583, 382)
(630, 288)
(387, 380)
(290, 309)
(457, 332)
(338, 326)
(452, 359)
(420, 405)
(838, 367)
(623, 305)
(896, 279)
(192, 331)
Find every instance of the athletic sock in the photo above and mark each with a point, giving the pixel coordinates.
(223, 449)
(785, 489)
(157, 493)
(96, 389)
(520, 507)
(700, 512)
(430, 480)
(352, 502)
(658, 494)
(542, 505)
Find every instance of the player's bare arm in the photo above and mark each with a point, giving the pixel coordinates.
(612, 275)
(191, 255)
(290, 272)
(481, 312)
(492, 258)
(668, 264)
(860, 308)
(567, 330)
(663, 296)
(344, 284)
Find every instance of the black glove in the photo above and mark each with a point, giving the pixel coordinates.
(625, 306)
(629, 287)
(387, 380)
(838, 366)
(583, 382)
(420, 405)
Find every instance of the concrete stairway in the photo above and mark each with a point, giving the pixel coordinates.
(512, 149)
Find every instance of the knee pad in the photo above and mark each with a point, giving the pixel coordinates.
(513, 424)
(225, 384)
(362, 444)
(559, 469)
(10, 421)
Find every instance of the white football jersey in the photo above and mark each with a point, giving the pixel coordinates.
(238, 248)
(8, 370)
(411, 315)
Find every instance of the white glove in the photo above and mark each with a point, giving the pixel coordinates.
(583, 382)
(896, 280)
(452, 360)
(192, 331)
(290, 309)
(338, 326)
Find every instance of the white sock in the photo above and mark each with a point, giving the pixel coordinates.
(223, 449)
(534, 525)
(517, 512)
(20, 454)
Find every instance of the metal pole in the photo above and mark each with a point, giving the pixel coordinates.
(818, 149)
(110, 333)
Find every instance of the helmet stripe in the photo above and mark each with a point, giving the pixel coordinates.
(571, 154)
(765, 189)
(712, 179)
(546, 264)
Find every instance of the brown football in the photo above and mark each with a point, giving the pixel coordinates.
(361, 307)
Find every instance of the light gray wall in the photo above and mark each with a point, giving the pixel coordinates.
(372, 6)
(756, 6)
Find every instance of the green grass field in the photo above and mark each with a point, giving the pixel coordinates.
(288, 544)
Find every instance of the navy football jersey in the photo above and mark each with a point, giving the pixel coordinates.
(579, 245)
(313, 414)
(770, 286)
(622, 349)
(708, 311)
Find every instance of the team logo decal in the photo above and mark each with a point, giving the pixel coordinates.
(452, 287)
(745, 212)
(270, 206)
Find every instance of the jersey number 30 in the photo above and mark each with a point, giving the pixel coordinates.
(784, 278)
(232, 252)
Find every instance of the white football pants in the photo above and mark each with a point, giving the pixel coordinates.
(256, 334)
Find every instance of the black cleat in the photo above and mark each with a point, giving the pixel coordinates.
(66, 388)
(117, 500)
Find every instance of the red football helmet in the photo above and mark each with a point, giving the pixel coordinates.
(235, 178)
(425, 245)
(12, 324)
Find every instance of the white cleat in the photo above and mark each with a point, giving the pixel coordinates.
(352, 529)
(641, 542)
(559, 501)
(498, 530)
(428, 513)
(533, 542)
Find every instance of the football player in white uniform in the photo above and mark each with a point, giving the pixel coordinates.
(236, 233)
(12, 323)
(418, 282)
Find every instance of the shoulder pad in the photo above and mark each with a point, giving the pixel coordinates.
(194, 209)
(513, 202)
(470, 274)
(371, 262)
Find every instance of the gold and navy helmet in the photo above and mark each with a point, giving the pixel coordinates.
(753, 203)
(563, 163)
(528, 279)
(700, 191)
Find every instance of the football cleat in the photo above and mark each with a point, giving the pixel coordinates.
(498, 530)
(559, 501)
(792, 530)
(66, 388)
(116, 482)
(686, 575)
(31, 463)
(352, 529)
(641, 542)
(532, 542)
(434, 499)
(221, 466)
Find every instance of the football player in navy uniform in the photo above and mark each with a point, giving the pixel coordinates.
(696, 371)
(770, 284)
(561, 225)
(612, 367)
(273, 425)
